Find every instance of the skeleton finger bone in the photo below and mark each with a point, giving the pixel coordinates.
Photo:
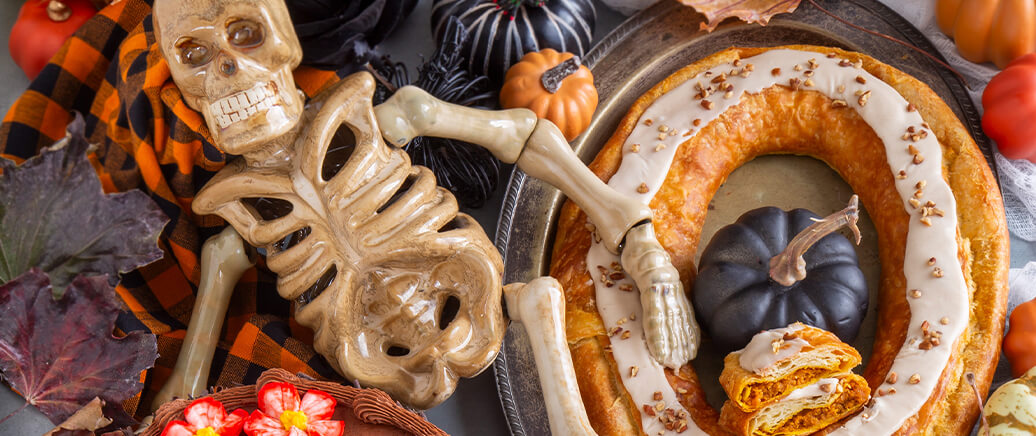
(223, 258)
(540, 306)
(671, 331)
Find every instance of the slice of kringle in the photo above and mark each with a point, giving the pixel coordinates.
(779, 361)
(943, 243)
(790, 381)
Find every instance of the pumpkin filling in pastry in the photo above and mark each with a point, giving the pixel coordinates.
(870, 123)
(796, 403)
(763, 373)
(778, 361)
(803, 411)
(756, 395)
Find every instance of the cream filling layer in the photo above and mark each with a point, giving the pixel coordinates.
(914, 159)
(821, 388)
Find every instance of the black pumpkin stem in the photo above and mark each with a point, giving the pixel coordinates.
(511, 6)
(788, 266)
(552, 78)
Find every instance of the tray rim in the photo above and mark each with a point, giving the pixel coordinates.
(517, 181)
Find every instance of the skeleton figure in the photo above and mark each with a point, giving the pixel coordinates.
(403, 291)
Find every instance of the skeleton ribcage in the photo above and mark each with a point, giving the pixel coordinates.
(374, 253)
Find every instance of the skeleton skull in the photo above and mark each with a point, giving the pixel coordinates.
(232, 60)
(402, 290)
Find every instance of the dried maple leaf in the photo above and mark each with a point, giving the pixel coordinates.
(86, 420)
(54, 216)
(749, 11)
(60, 353)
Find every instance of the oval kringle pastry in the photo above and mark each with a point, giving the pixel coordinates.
(943, 243)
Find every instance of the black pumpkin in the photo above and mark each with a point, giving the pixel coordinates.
(502, 31)
(735, 297)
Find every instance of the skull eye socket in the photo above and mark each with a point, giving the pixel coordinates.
(244, 33)
(193, 53)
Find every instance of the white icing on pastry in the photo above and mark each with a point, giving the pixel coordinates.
(822, 387)
(931, 264)
(759, 355)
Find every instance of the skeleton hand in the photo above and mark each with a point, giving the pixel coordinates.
(669, 326)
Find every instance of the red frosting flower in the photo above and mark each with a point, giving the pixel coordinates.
(282, 414)
(206, 417)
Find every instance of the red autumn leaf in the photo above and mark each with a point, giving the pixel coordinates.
(55, 216)
(749, 11)
(60, 353)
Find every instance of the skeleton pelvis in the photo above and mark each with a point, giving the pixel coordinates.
(402, 290)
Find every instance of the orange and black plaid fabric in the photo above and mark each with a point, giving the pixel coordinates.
(112, 72)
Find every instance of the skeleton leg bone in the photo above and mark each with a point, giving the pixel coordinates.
(542, 151)
(540, 306)
(223, 258)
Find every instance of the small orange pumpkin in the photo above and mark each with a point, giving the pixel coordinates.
(989, 30)
(554, 86)
(1020, 342)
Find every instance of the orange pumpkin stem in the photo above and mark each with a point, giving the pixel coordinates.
(58, 11)
(788, 266)
(552, 78)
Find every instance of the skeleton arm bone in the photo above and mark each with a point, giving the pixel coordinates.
(540, 149)
(539, 307)
(412, 112)
(669, 325)
(514, 136)
(223, 259)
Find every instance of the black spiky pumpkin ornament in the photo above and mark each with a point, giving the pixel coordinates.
(504, 30)
(470, 172)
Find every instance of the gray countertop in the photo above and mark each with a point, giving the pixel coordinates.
(474, 409)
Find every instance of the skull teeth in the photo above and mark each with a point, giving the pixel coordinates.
(239, 106)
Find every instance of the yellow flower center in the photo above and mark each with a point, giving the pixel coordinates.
(291, 418)
(207, 431)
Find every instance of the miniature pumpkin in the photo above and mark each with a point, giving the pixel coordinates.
(554, 86)
(1010, 102)
(1020, 342)
(503, 30)
(736, 297)
(42, 28)
(1011, 410)
(989, 30)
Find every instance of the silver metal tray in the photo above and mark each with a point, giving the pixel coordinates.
(642, 51)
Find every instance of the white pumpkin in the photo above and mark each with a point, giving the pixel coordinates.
(1011, 410)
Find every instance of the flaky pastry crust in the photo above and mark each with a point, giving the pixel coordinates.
(824, 356)
(781, 121)
(805, 417)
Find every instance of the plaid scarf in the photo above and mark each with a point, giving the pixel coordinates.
(147, 138)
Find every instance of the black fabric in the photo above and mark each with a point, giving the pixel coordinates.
(338, 34)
